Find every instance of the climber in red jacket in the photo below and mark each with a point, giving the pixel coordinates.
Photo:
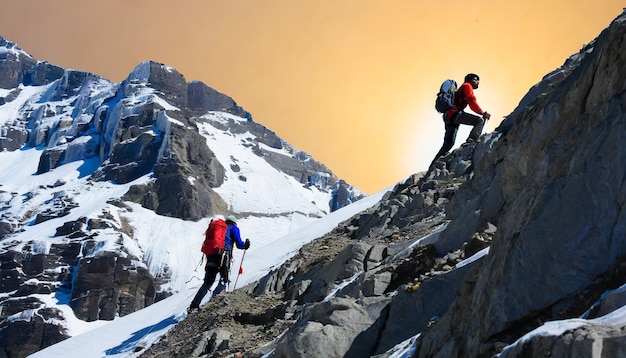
(456, 116)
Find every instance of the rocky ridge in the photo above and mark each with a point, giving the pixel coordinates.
(497, 239)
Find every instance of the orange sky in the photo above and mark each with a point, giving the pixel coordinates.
(351, 82)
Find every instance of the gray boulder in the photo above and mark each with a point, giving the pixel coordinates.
(411, 312)
(349, 328)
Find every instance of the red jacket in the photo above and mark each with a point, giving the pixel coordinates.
(462, 98)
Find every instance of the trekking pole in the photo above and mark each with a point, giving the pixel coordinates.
(199, 263)
(240, 269)
(196, 269)
(230, 266)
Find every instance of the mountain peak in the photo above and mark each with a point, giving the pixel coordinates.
(84, 162)
(8, 46)
(144, 70)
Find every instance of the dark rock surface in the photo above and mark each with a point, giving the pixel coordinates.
(555, 233)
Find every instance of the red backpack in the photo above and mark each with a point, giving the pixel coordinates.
(214, 237)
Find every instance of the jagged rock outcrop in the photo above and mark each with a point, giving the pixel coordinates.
(102, 287)
(558, 173)
(140, 140)
(109, 286)
(25, 332)
(46, 124)
(18, 67)
(202, 98)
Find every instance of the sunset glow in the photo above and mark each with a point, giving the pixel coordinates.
(351, 82)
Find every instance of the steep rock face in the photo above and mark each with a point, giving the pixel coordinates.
(172, 194)
(165, 79)
(19, 67)
(25, 333)
(109, 286)
(202, 98)
(47, 123)
(141, 139)
(103, 286)
(559, 173)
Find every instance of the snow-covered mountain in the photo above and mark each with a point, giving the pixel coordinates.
(512, 246)
(107, 188)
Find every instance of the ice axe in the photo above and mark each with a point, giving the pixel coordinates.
(240, 269)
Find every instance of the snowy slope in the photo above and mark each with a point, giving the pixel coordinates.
(266, 189)
(118, 338)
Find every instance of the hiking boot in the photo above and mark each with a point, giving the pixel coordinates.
(193, 309)
(468, 142)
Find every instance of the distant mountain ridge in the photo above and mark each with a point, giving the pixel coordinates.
(180, 149)
(128, 126)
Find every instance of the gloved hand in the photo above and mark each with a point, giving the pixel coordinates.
(246, 244)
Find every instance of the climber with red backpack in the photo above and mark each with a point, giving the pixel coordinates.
(454, 114)
(220, 237)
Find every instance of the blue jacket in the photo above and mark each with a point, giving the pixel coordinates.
(233, 236)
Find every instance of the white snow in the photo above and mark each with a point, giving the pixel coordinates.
(616, 318)
(28, 94)
(274, 150)
(473, 258)
(174, 243)
(256, 186)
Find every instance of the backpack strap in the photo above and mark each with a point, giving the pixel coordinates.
(459, 99)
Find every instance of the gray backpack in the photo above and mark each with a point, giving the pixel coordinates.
(445, 97)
